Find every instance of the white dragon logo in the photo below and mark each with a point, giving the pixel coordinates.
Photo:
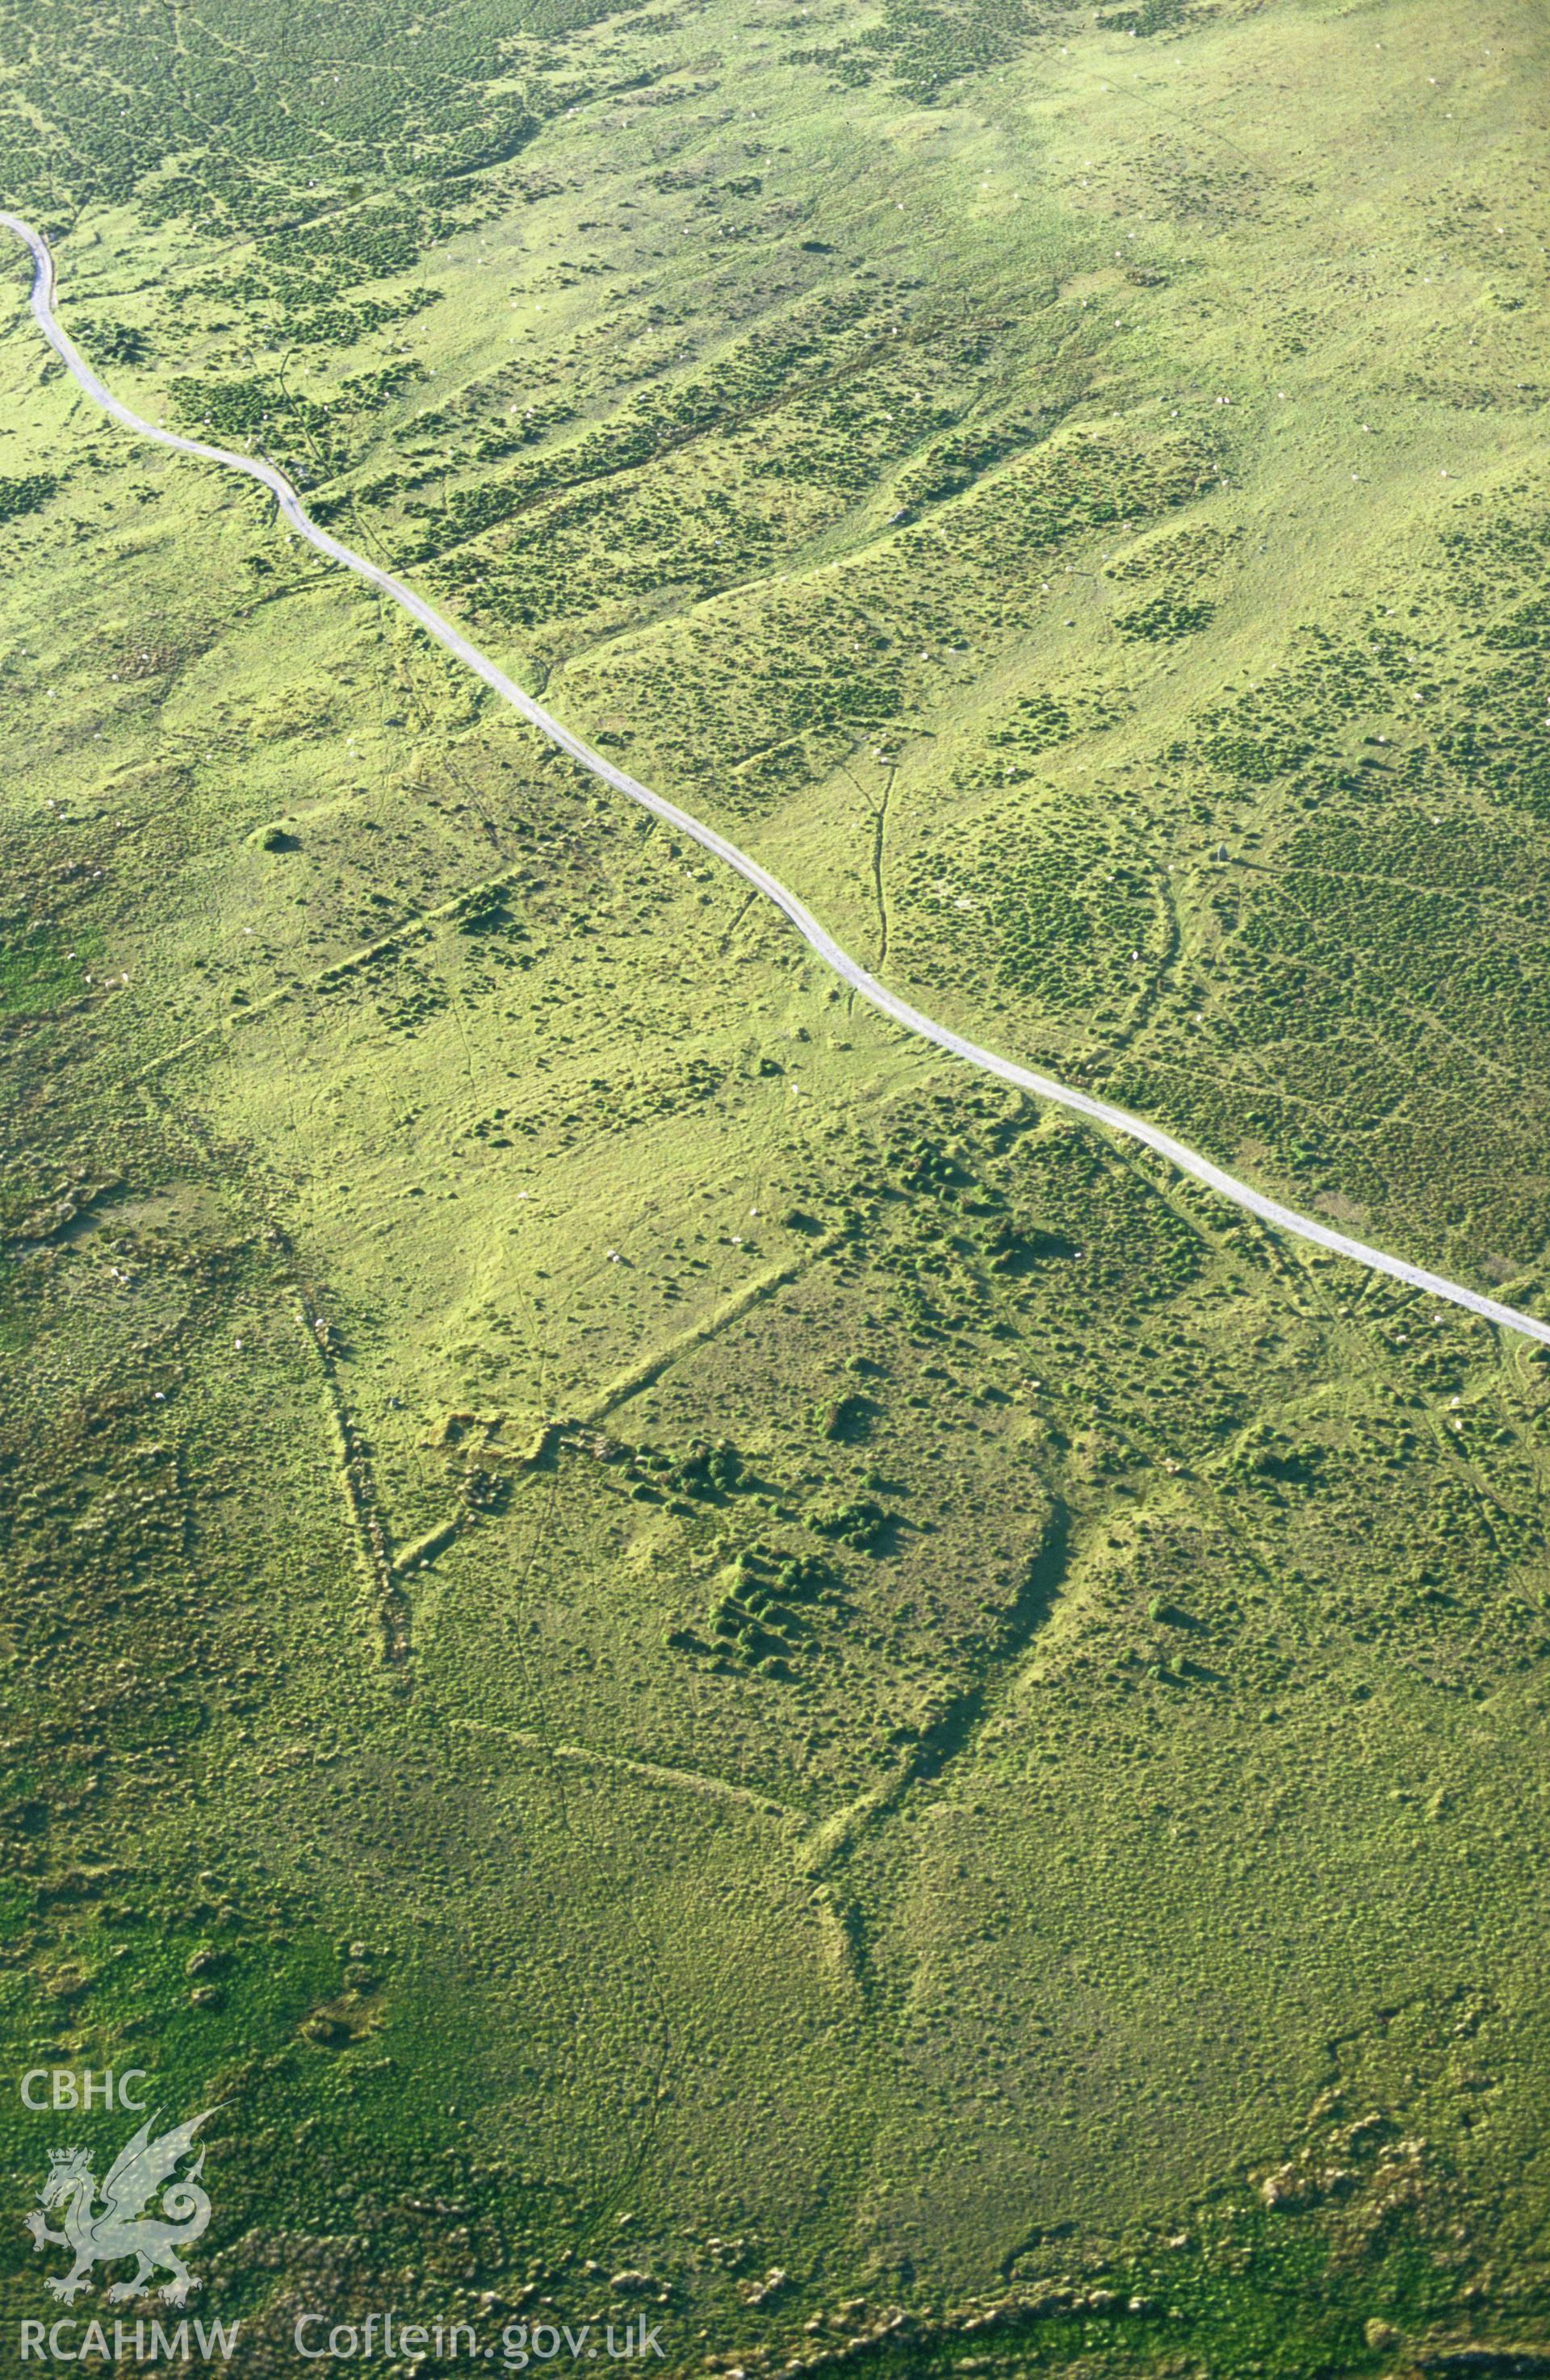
(120, 2226)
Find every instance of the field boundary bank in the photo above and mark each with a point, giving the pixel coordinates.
(1188, 1162)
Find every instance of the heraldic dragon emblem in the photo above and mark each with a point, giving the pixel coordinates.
(101, 2229)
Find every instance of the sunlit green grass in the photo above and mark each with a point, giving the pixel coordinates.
(651, 1632)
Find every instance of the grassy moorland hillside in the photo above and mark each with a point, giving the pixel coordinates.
(697, 1661)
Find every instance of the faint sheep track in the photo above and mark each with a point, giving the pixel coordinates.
(1040, 1087)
